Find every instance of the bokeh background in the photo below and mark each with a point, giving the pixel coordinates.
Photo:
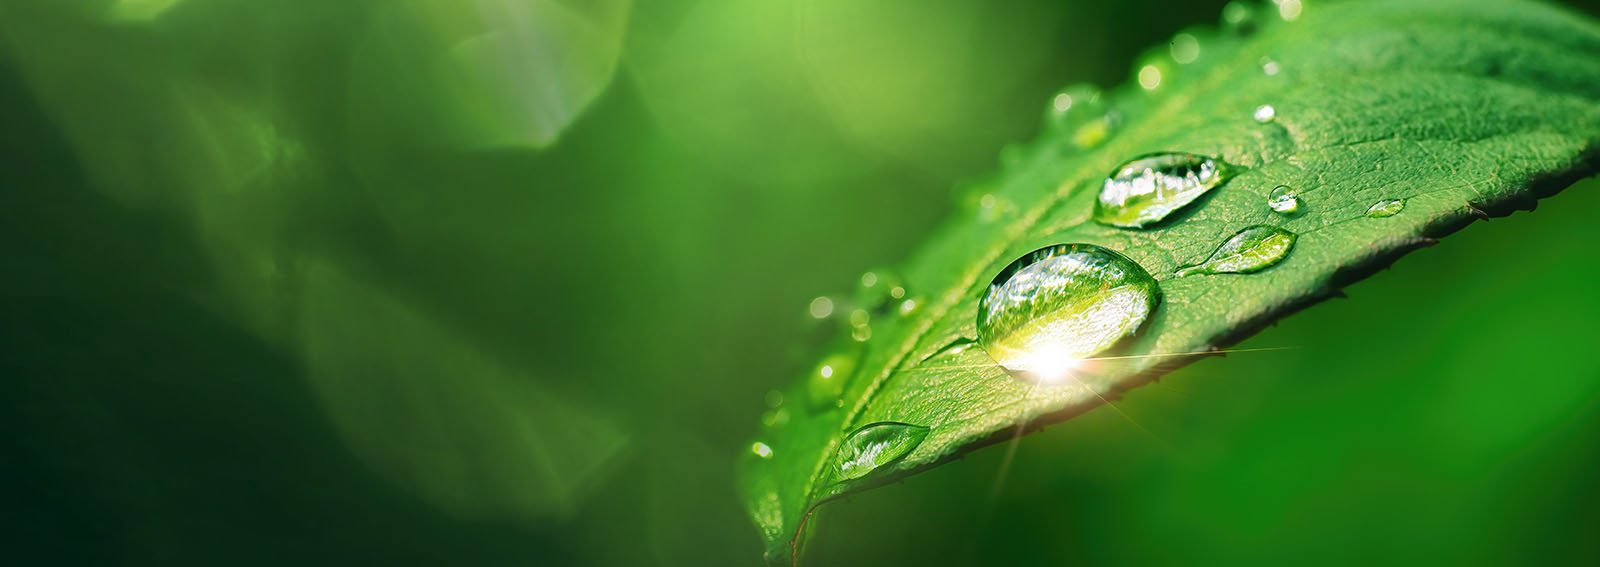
(505, 282)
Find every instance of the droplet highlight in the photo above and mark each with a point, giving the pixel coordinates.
(872, 446)
(1149, 77)
(1148, 188)
(1389, 208)
(1284, 200)
(1250, 250)
(1053, 307)
(1265, 113)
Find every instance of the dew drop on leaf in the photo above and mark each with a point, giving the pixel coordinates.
(1250, 250)
(1185, 48)
(1053, 307)
(1265, 113)
(1389, 208)
(1239, 18)
(875, 445)
(1269, 67)
(1148, 188)
(821, 307)
(829, 379)
(761, 450)
(1283, 200)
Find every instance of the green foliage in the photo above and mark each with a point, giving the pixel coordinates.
(1462, 110)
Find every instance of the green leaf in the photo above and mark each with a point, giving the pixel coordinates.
(1459, 109)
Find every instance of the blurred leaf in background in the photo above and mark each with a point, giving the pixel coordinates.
(500, 282)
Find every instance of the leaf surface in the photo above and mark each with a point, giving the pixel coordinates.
(1462, 109)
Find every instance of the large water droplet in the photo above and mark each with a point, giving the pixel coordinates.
(1250, 250)
(1057, 305)
(1148, 188)
(1382, 209)
(871, 447)
(1284, 200)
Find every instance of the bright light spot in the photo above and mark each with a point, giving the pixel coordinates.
(908, 306)
(1289, 9)
(821, 307)
(1269, 66)
(827, 371)
(1062, 102)
(1050, 363)
(1265, 113)
(869, 279)
(1149, 77)
(761, 450)
(1185, 48)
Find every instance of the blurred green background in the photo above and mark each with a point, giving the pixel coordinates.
(501, 282)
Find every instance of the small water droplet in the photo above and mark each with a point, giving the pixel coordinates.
(1185, 48)
(1073, 104)
(1149, 77)
(860, 318)
(774, 398)
(821, 307)
(1269, 67)
(1265, 113)
(1250, 250)
(775, 418)
(1239, 18)
(1053, 307)
(1283, 200)
(1289, 10)
(908, 306)
(1383, 209)
(874, 445)
(897, 292)
(861, 333)
(761, 450)
(876, 289)
(986, 201)
(829, 379)
(869, 279)
(1148, 188)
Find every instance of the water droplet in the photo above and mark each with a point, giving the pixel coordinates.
(908, 306)
(1149, 77)
(1250, 250)
(775, 418)
(761, 450)
(1283, 200)
(1185, 48)
(821, 307)
(774, 398)
(1383, 209)
(1265, 113)
(860, 318)
(1269, 67)
(1073, 104)
(829, 379)
(872, 446)
(1059, 304)
(1289, 10)
(878, 288)
(1095, 132)
(861, 333)
(1148, 188)
(1239, 18)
